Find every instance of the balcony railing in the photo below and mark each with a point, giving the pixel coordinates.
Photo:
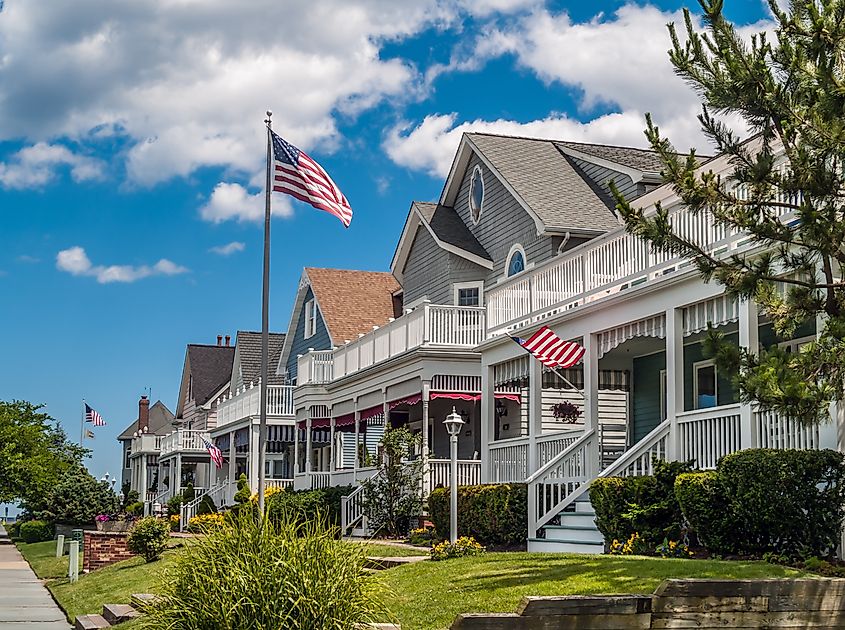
(184, 440)
(146, 443)
(429, 325)
(245, 403)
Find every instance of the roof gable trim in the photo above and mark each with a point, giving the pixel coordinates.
(635, 174)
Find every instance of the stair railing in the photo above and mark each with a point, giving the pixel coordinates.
(352, 505)
(639, 459)
(189, 510)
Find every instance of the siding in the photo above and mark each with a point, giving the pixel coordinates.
(503, 223)
(600, 176)
(320, 340)
(646, 394)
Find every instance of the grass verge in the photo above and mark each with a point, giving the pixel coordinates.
(42, 558)
(429, 595)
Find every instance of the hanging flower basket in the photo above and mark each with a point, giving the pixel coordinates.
(566, 412)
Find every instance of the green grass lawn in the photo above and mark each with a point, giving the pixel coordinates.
(378, 550)
(429, 595)
(42, 557)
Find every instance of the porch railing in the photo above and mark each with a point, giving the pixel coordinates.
(284, 484)
(316, 366)
(184, 440)
(440, 472)
(509, 460)
(352, 505)
(245, 402)
(707, 435)
(774, 431)
(314, 480)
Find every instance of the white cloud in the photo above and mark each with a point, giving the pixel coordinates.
(75, 261)
(30, 260)
(233, 201)
(228, 249)
(616, 61)
(36, 165)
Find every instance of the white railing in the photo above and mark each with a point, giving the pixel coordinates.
(184, 440)
(509, 460)
(284, 484)
(312, 480)
(772, 430)
(639, 459)
(245, 402)
(439, 471)
(352, 505)
(549, 445)
(561, 480)
(146, 443)
(427, 325)
(601, 267)
(707, 435)
(314, 367)
(189, 510)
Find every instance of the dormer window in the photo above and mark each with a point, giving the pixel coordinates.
(516, 261)
(310, 318)
(476, 194)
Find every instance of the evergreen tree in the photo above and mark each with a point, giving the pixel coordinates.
(787, 191)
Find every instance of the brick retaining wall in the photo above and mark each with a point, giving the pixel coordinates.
(104, 548)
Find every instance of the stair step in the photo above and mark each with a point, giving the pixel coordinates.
(118, 613)
(140, 601)
(564, 546)
(90, 622)
(578, 535)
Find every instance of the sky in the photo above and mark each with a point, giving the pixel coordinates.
(132, 156)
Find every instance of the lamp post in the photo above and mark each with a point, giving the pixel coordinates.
(453, 423)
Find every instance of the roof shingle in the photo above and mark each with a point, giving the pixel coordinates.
(449, 228)
(248, 345)
(161, 420)
(211, 369)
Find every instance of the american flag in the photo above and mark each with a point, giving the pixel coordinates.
(296, 174)
(551, 350)
(215, 453)
(91, 415)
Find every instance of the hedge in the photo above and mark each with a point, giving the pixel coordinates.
(494, 514)
(35, 531)
(303, 504)
(788, 502)
(645, 505)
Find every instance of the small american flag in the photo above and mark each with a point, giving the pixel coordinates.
(297, 175)
(92, 416)
(215, 453)
(551, 350)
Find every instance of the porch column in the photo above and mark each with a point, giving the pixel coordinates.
(178, 473)
(426, 476)
(591, 399)
(356, 460)
(674, 378)
(488, 417)
(535, 412)
(144, 484)
(253, 458)
(295, 446)
(308, 442)
(332, 464)
(749, 338)
(233, 468)
(832, 432)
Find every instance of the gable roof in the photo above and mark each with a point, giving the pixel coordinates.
(546, 184)
(644, 160)
(161, 419)
(352, 302)
(211, 369)
(248, 351)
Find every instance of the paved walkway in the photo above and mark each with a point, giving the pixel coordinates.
(24, 602)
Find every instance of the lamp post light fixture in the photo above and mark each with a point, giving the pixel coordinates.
(454, 423)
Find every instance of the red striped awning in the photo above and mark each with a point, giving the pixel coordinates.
(456, 396)
(372, 412)
(407, 400)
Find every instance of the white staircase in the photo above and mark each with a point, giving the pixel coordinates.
(189, 510)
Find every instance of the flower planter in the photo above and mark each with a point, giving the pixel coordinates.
(114, 526)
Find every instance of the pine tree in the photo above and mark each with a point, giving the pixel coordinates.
(787, 191)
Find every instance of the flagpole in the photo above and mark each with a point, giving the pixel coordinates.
(82, 424)
(265, 327)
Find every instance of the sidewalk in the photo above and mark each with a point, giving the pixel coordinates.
(24, 602)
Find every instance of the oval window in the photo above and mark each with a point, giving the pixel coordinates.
(516, 264)
(476, 194)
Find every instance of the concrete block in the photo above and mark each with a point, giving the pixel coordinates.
(91, 622)
(118, 613)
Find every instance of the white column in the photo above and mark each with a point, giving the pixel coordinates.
(177, 474)
(535, 412)
(356, 459)
(233, 468)
(144, 484)
(592, 421)
(308, 442)
(488, 418)
(749, 337)
(332, 457)
(424, 451)
(674, 377)
(253, 458)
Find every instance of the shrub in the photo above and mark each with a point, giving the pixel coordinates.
(422, 537)
(135, 509)
(282, 574)
(188, 494)
(202, 523)
(392, 497)
(78, 498)
(35, 531)
(463, 546)
(206, 506)
(492, 514)
(174, 505)
(306, 504)
(645, 505)
(242, 495)
(788, 502)
(13, 529)
(149, 538)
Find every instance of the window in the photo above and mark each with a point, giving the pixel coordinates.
(310, 318)
(468, 293)
(476, 194)
(795, 345)
(706, 395)
(516, 260)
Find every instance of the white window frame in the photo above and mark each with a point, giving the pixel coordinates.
(476, 169)
(698, 365)
(457, 286)
(516, 247)
(795, 345)
(310, 318)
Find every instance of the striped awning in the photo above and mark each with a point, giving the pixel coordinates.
(283, 433)
(372, 412)
(648, 327)
(717, 311)
(407, 400)
(510, 371)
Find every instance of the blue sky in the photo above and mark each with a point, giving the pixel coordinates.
(131, 147)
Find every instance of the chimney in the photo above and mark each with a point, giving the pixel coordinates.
(143, 414)
(228, 339)
(219, 340)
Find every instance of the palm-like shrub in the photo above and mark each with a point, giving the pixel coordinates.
(272, 574)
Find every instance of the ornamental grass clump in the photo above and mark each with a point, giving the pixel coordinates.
(280, 573)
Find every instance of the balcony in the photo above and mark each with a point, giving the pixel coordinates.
(427, 326)
(184, 441)
(146, 443)
(246, 403)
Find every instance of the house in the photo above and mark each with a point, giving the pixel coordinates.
(184, 457)
(141, 444)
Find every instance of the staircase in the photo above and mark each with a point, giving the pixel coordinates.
(561, 518)
(189, 510)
